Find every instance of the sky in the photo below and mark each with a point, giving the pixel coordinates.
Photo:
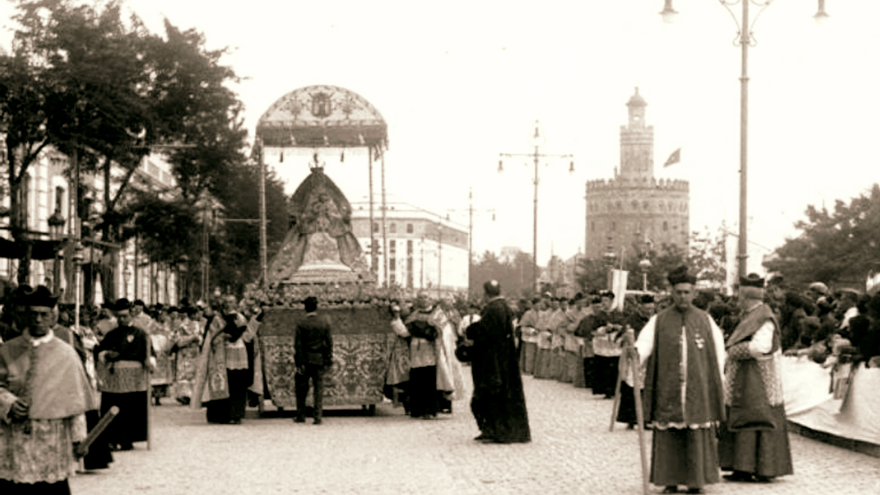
(459, 82)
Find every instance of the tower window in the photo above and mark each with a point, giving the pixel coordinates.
(409, 228)
(393, 228)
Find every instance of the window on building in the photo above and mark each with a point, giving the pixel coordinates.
(392, 247)
(393, 228)
(613, 226)
(409, 272)
(392, 264)
(59, 199)
(409, 249)
(375, 226)
(392, 278)
(409, 228)
(665, 225)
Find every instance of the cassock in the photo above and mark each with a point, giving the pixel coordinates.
(754, 440)
(498, 402)
(123, 379)
(683, 352)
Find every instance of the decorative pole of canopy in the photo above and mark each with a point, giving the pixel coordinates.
(261, 162)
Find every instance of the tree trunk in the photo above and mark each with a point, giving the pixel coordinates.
(109, 262)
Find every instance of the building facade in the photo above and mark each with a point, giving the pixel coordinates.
(424, 250)
(634, 210)
(47, 194)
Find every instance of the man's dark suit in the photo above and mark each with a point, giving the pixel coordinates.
(313, 349)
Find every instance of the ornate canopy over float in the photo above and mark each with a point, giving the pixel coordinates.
(322, 116)
(320, 247)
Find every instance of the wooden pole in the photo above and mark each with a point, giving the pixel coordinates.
(640, 413)
(622, 364)
(149, 395)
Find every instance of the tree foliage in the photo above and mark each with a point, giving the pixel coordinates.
(514, 275)
(833, 246)
(95, 84)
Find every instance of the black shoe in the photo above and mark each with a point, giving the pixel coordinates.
(126, 446)
(235, 421)
(482, 437)
(317, 421)
(694, 490)
(670, 489)
(763, 479)
(299, 419)
(739, 477)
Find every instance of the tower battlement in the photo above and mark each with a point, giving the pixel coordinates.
(599, 185)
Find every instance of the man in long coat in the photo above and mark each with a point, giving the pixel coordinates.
(754, 442)
(498, 403)
(683, 351)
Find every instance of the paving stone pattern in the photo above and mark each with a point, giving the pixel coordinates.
(571, 451)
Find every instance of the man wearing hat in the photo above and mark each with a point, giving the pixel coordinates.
(123, 379)
(15, 313)
(313, 348)
(754, 441)
(44, 394)
(498, 402)
(683, 352)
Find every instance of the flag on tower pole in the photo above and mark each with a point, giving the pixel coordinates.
(675, 157)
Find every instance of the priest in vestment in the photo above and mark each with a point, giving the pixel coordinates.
(683, 351)
(123, 379)
(44, 394)
(754, 441)
(224, 372)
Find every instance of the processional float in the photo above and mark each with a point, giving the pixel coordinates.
(320, 255)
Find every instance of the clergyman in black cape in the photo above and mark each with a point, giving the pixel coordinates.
(498, 403)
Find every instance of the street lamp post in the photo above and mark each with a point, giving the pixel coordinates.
(56, 231)
(609, 257)
(126, 277)
(77, 266)
(645, 265)
(537, 141)
(745, 39)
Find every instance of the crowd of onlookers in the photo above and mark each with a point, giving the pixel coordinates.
(829, 327)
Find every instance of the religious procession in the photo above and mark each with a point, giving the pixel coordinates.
(191, 304)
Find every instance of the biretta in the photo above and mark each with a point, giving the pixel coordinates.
(681, 275)
(41, 296)
(751, 286)
(122, 305)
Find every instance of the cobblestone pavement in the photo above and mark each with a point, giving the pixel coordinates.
(572, 451)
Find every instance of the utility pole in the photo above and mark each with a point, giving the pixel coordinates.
(537, 141)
